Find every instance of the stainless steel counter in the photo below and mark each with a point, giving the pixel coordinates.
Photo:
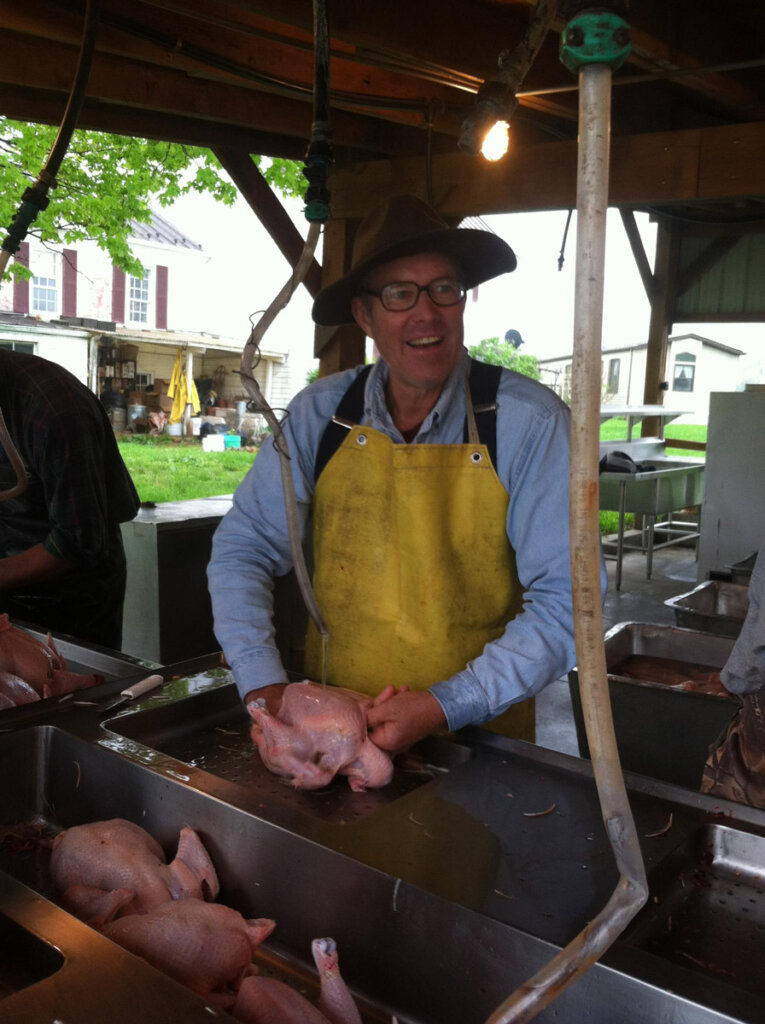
(444, 891)
(672, 484)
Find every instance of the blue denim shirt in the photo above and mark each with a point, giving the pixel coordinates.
(251, 544)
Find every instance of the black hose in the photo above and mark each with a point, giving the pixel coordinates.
(35, 198)
(320, 155)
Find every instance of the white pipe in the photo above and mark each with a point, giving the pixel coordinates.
(631, 891)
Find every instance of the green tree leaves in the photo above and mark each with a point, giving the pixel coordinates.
(499, 353)
(108, 181)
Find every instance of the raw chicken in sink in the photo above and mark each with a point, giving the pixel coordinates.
(108, 869)
(206, 946)
(263, 1000)
(31, 669)
(317, 733)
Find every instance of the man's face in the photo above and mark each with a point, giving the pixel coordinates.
(421, 345)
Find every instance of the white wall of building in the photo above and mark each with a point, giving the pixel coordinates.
(714, 369)
(67, 347)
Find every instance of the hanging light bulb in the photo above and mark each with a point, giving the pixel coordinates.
(496, 141)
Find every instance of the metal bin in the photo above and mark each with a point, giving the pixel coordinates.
(712, 607)
(661, 731)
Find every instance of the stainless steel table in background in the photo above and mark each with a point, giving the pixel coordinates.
(168, 616)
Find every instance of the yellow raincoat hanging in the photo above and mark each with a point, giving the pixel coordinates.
(182, 391)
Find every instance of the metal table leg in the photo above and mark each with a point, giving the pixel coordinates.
(620, 534)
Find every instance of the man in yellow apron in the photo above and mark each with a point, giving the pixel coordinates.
(435, 490)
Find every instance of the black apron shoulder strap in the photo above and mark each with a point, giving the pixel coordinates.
(350, 408)
(484, 384)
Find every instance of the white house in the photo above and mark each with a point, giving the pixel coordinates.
(115, 331)
(696, 366)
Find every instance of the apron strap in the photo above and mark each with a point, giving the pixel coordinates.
(351, 410)
(484, 382)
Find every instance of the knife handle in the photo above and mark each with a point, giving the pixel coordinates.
(137, 689)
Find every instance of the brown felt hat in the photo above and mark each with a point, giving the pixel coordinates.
(403, 226)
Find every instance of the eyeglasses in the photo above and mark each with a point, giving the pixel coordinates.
(402, 295)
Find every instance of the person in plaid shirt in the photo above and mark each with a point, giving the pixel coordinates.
(62, 563)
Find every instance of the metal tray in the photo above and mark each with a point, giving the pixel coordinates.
(708, 908)
(87, 658)
(741, 572)
(712, 607)
(661, 731)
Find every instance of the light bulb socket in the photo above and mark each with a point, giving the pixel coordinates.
(494, 102)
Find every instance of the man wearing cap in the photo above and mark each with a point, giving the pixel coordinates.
(435, 490)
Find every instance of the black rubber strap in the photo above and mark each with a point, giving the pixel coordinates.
(351, 408)
(484, 383)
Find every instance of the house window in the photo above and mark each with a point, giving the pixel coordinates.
(27, 347)
(612, 383)
(44, 295)
(45, 282)
(684, 372)
(138, 311)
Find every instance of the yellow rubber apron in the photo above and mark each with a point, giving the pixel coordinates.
(414, 573)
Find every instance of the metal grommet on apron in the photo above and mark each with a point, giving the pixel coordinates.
(361, 439)
(476, 457)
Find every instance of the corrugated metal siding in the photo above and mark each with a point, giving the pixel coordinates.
(733, 288)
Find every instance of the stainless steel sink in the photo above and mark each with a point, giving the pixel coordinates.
(708, 911)
(670, 485)
(26, 958)
(403, 949)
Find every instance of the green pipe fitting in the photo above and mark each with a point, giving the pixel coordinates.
(317, 210)
(595, 37)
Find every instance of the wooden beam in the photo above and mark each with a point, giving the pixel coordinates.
(638, 251)
(258, 193)
(338, 348)
(661, 319)
(717, 163)
(680, 442)
(343, 347)
(42, 64)
(47, 107)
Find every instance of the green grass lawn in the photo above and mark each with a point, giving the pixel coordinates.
(164, 469)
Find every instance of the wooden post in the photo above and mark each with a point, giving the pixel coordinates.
(662, 311)
(338, 348)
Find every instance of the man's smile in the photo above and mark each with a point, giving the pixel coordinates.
(424, 342)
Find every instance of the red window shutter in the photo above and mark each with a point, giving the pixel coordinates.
(118, 295)
(161, 301)
(69, 284)
(21, 288)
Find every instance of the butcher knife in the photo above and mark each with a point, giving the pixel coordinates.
(131, 692)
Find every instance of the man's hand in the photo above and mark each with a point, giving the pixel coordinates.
(398, 721)
(272, 695)
(27, 568)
